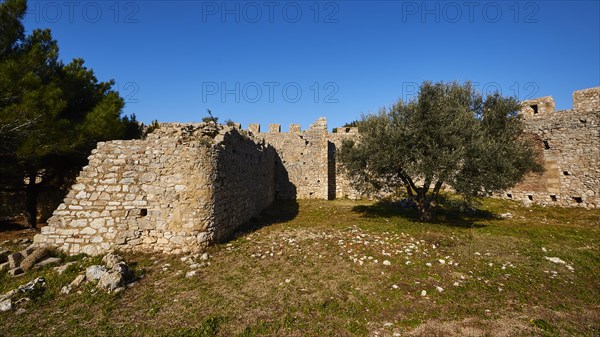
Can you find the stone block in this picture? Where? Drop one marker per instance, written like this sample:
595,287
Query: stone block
33,258
88,231
14,260
47,262
4,255
274,128
15,271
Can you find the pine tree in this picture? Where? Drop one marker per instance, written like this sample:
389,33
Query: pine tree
51,114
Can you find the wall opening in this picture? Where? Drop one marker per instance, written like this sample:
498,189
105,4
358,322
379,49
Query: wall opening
509,195
578,200
535,108
546,145
553,197
143,212
530,197
566,173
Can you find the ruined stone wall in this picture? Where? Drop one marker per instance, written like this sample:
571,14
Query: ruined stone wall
569,143
244,184
171,192
302,166
189,185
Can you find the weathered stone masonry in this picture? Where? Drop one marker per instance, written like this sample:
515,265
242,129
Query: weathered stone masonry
569,143
165,193
188,185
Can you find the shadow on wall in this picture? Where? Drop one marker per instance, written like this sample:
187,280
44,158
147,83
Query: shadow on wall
331,171
284,188
281,207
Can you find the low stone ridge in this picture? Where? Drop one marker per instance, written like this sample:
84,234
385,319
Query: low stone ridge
189,185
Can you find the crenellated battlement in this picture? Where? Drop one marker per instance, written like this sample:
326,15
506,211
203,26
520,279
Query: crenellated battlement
586,100
538,107
319,125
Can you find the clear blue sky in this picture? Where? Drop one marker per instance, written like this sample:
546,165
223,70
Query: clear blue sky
291,62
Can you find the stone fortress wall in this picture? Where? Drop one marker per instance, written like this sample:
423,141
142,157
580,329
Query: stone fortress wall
188,185
569,144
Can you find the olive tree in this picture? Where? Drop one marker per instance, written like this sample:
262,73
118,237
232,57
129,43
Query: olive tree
448,135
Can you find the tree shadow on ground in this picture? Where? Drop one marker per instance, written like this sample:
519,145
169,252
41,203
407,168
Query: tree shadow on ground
8,226
443,215
280,211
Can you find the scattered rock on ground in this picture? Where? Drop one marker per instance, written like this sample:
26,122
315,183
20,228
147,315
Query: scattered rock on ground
15,271
28,251
4,255
555,260
6,302
114,278
36,284
6,305
48,261
9,294
110,260
74,284
78,280
14,260
119,290
95,272
61,269
32,258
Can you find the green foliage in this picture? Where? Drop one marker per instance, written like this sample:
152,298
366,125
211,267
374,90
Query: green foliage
229,122
210,118
352,124
51,114
153,126
448,135
547,328
208,327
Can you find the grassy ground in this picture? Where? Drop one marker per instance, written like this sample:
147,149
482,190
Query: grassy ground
344,268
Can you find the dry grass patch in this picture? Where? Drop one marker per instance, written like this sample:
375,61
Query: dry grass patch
344,268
